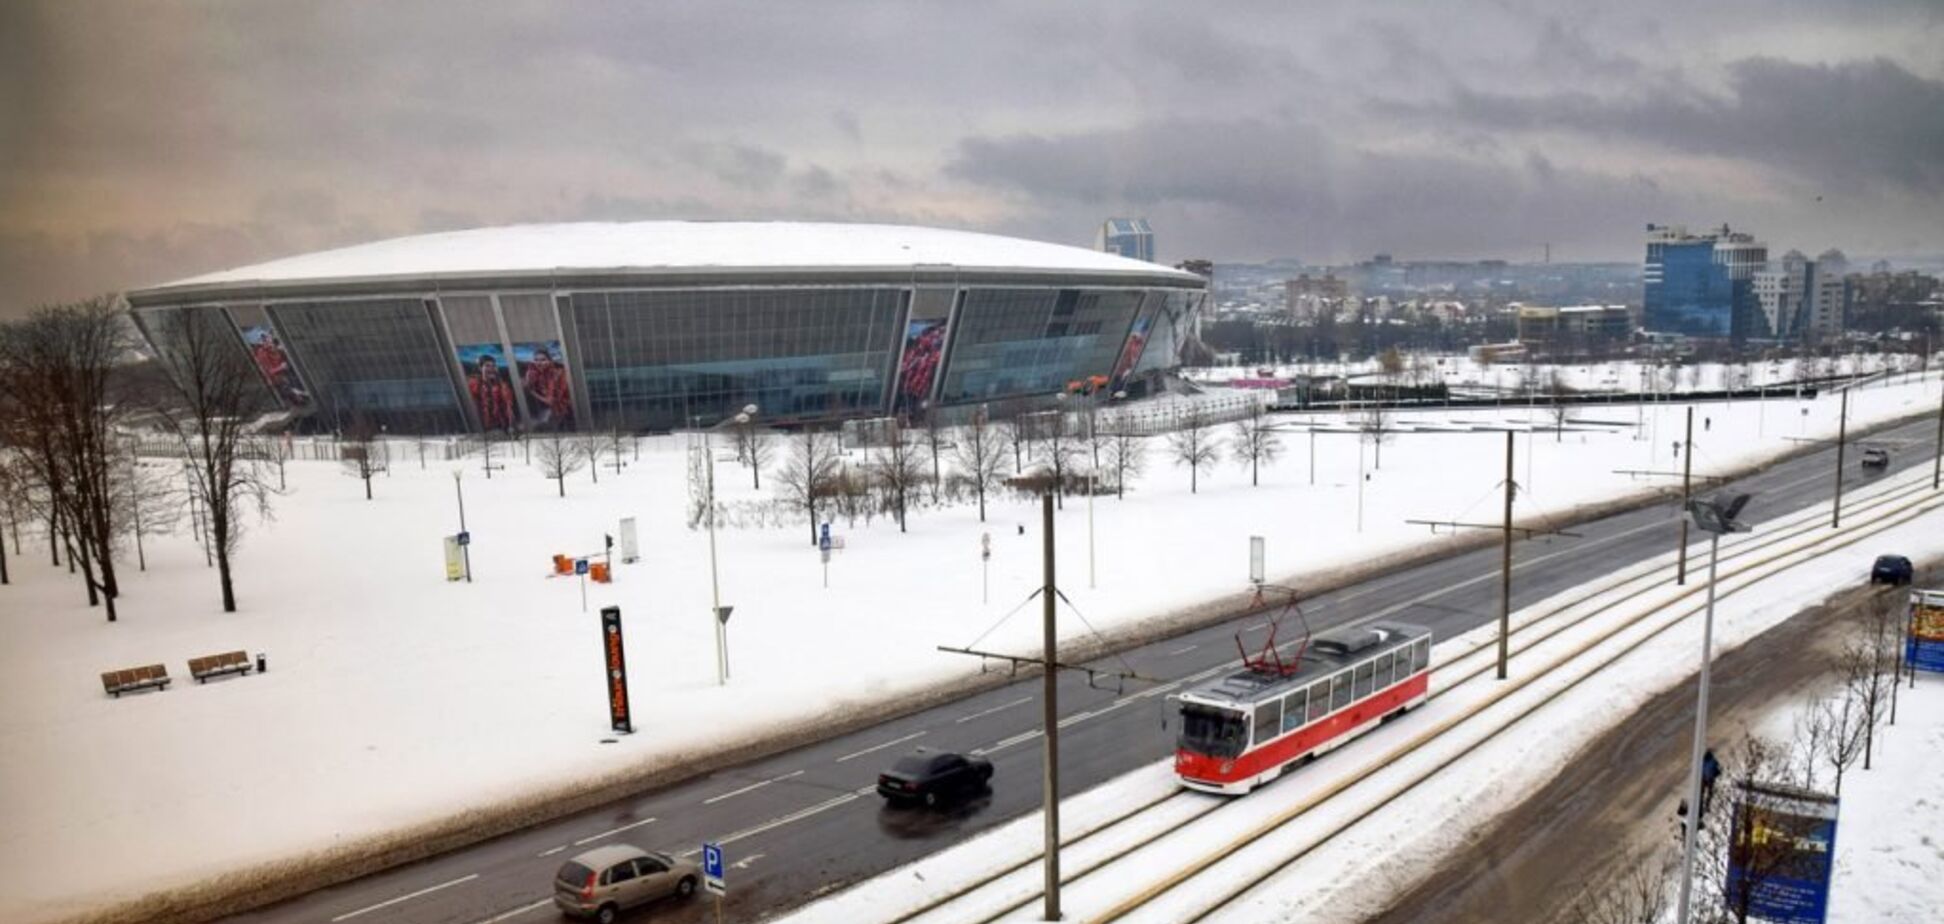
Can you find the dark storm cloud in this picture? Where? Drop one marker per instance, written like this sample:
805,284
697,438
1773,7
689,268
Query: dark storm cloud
1851,124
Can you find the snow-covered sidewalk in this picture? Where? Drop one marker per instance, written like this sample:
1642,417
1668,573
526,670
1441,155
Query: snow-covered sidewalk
395,699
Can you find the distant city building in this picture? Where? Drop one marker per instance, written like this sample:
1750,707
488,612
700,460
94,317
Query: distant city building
1703,285
1802,298
1307,296
1573,325
1128,237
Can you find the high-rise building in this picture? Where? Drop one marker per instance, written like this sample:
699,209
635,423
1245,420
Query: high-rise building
1828,296
1703,285
1803,298
1129,237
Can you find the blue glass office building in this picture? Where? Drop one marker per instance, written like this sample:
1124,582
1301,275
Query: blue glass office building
1702,285
657,325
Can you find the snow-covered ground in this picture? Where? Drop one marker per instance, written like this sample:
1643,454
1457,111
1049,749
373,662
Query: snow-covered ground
397,699
1461,372
1350,877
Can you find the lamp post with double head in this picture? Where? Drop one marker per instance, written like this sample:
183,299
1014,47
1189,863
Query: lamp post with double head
716,614
1713,516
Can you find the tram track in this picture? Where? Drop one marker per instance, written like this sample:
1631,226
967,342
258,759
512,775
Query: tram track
1890,506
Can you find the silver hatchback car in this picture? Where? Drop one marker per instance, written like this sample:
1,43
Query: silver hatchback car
605,881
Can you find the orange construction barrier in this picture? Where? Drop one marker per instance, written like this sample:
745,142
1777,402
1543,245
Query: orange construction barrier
563,565
598,570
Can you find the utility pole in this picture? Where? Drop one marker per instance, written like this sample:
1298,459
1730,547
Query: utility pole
1505,567
464,550
1049,695
1687,473
1937,458
1842,436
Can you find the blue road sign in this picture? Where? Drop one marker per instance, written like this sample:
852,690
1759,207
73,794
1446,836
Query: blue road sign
712,869
580,566
465,538
823,534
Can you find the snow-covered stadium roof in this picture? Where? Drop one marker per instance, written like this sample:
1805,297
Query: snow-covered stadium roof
585,248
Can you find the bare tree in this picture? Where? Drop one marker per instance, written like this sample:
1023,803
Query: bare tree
807,475
1866,665
980,451
61,368
1842,721
754,448
361,452
590,442
559,454
12,494
934,443
1126,453
615,443
1377,429
898,470
1255,442
1056,447
1637,895
215,392
276,450
151,502
1556,390
1011,414
1193,443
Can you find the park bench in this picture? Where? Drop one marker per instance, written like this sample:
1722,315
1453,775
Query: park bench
234,662
154,676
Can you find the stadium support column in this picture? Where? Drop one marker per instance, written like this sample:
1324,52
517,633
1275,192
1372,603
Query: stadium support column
1687,473
1050,692
1505,567
1842,437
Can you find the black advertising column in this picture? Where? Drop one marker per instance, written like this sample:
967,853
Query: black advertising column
615,659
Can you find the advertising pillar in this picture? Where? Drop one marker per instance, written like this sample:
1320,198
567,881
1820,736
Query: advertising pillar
614,660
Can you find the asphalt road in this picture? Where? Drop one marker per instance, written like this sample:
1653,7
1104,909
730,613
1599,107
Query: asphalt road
805,822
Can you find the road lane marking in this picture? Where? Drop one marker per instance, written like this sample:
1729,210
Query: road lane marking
751,787
523,909
880,747
393,901
798,815
1009,742
1182,651
986,712
626,827
744,862
549,853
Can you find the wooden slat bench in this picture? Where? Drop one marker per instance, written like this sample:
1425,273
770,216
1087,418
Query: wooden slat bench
154,676
233,662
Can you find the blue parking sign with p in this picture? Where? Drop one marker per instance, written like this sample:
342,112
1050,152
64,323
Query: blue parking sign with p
712,867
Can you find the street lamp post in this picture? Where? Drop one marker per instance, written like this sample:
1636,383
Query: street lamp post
465,551
715,582
1715,517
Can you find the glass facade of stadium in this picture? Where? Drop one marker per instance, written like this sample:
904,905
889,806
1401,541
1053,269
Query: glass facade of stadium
664,356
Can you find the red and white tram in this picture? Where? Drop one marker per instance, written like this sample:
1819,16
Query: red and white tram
1242,730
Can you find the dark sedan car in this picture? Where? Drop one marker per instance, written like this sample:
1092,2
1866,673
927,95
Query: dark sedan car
1891,569
932,777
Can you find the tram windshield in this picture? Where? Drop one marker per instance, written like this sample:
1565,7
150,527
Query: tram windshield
1215,732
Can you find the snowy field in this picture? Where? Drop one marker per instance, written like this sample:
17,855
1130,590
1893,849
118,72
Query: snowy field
1460,372
1401,842
396,699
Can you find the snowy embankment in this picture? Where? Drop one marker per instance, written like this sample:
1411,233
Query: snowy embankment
396,700
1471,777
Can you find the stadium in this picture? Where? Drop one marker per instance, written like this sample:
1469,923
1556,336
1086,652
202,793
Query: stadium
647,326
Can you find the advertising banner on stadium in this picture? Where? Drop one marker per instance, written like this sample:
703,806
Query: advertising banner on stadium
487,384
542,369
614,660
1131,352
924,348
269,355
1782,852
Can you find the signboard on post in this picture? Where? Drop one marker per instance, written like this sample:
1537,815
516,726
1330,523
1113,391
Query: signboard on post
712,870
455,567
615,661
630,546
1781,853
1256,569
1924,648
465,538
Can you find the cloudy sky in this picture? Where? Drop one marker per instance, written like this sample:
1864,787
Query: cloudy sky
142,142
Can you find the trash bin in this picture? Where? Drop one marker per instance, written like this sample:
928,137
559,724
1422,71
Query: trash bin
263,663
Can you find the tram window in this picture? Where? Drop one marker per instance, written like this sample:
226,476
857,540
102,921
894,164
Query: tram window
1340,691
1216,732
1268,720
1364,674
1401,666
1319,700
1293,709
1384,669
1421,654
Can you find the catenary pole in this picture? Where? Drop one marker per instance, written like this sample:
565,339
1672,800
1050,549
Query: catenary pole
1049,695
1687,472
1842,437
1505,567
1937,457
1700,744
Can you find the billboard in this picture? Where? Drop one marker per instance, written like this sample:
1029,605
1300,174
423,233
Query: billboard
542,369
923,349
1781,854
1924,649
271,359
484,365
614,660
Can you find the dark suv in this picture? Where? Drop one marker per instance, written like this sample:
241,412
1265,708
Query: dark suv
1891,569
932,777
